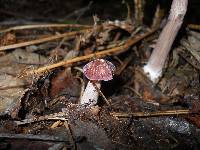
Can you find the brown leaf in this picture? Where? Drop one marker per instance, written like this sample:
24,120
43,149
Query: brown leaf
8,39
147,90
196,120
64,83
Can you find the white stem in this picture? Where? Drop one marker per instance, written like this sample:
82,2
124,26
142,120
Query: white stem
159,55
90,95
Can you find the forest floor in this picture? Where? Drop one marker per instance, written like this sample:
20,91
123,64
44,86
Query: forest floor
42,54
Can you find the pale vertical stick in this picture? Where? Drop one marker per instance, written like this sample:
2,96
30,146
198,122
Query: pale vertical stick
159,55
139,12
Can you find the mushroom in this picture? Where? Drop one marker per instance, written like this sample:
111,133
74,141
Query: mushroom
96,71
157,60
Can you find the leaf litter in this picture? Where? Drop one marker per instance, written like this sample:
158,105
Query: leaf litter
157,116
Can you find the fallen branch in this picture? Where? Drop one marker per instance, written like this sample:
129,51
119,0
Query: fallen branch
100,54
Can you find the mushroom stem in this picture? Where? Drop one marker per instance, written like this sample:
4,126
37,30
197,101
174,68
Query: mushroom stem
159,55
90,95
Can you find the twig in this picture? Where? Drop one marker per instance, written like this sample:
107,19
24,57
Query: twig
103,53
55,124
119,60
102,95
124,65
51,38
139,13
129,11
72,139
133,90
151,114
194,26
24,27
55,116
159,13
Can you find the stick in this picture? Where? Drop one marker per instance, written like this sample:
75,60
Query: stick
100,54
38,41
151,114
44,26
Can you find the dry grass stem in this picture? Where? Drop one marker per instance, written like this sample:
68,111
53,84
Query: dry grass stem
152,114
68,35
24,27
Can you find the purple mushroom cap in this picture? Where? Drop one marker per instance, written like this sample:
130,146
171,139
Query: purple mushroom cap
99,69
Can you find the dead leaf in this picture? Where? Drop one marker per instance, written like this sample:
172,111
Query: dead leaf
8,39
11,90
64,83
